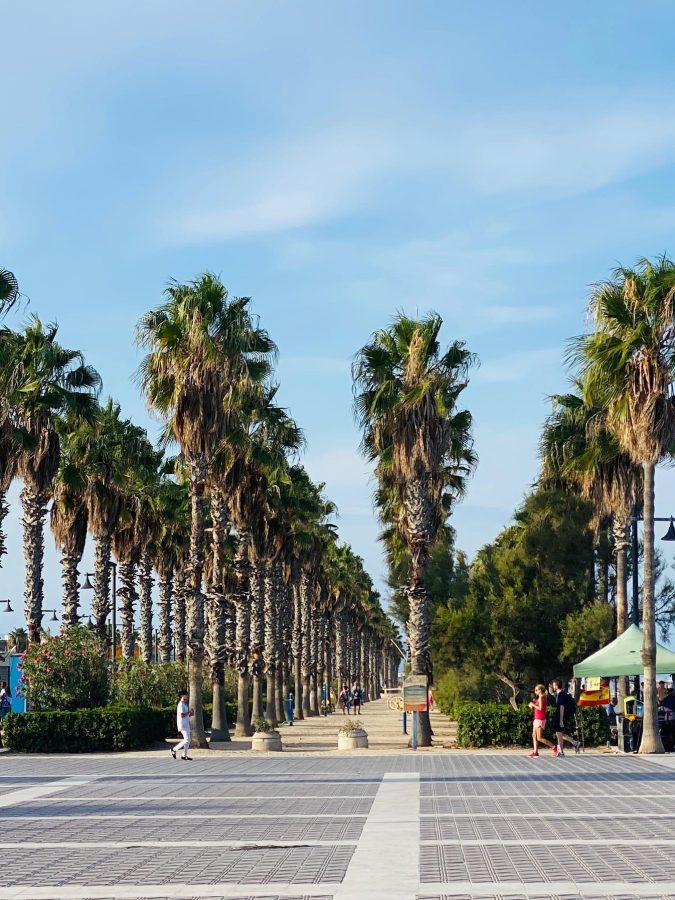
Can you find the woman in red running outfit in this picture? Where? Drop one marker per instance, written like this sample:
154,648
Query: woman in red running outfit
538,706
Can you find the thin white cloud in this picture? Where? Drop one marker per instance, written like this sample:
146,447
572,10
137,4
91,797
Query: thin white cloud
519,366
303,182
313,178
342,467
566,150
311,366
516,315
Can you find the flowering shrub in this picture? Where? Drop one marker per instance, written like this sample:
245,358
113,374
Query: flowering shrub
137,683
66,672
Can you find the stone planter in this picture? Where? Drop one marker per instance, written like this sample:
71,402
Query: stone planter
266,741
353,740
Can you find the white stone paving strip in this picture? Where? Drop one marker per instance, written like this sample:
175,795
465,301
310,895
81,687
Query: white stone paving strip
25,795
132,843
538,889
386,862
171,891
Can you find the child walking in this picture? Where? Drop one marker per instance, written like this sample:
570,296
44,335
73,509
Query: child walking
538,707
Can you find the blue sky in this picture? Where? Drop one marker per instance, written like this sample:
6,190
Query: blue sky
338,162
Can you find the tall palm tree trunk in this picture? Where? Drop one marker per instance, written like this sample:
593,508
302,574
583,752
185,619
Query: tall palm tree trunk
306,643
71,589
363,677
418,633
314,705
651,739
340,649
195,600
218,615
271,639
243,634
101,602
257,637
283,641
621,525
145,606
180,632
34,504
297,642
128,597
165,631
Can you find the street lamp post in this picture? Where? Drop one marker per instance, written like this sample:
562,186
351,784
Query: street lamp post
88,586
668,536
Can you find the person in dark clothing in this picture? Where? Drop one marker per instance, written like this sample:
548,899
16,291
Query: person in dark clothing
669,701
563,718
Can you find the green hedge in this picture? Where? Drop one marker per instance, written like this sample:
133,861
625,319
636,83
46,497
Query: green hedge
499,725
93,730
83,730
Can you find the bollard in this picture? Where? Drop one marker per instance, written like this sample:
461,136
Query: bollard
291,707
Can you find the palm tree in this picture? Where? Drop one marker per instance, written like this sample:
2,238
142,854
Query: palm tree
173,516
578,450
203,350
68,515
219,610
406,406
47,381
627,367
9,291
17,640
9,444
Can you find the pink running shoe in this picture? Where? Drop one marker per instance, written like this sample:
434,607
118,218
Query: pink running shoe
556,750
533,755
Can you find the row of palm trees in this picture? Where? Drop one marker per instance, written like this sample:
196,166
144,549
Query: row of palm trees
605,437
249,569
407,391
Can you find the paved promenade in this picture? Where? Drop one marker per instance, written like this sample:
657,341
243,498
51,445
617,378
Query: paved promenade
369,826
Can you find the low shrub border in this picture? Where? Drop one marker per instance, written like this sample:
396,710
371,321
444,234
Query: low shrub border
499,725
107,728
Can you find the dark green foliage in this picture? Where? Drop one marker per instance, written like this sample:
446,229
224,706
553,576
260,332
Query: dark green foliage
588,630
499,725
93,730
507,627
137,683
83,730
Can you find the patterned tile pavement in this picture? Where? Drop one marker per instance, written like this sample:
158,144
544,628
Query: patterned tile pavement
494,826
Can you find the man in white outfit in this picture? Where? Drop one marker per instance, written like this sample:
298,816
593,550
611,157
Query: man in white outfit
183,713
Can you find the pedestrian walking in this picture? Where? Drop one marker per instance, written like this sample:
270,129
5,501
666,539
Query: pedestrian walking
345,699
183,713
356,699
539,706
5,700
565,713
430,700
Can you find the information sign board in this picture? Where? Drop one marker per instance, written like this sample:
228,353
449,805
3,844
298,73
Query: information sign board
415,691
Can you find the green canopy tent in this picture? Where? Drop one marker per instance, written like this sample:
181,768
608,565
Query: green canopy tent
624,657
